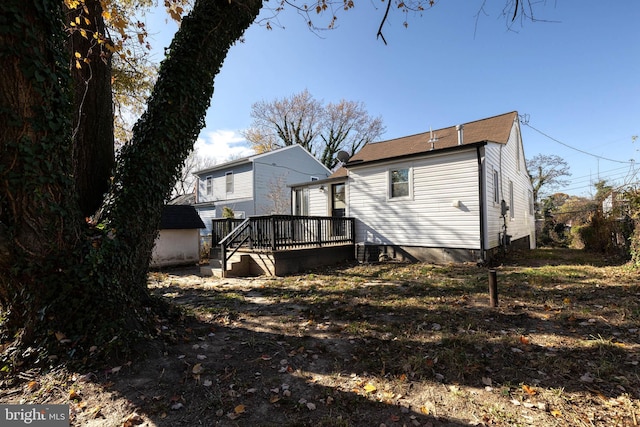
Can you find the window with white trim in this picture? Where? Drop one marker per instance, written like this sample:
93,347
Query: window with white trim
531,207
229,181
511,206
301,206
209,185
496,187
399,183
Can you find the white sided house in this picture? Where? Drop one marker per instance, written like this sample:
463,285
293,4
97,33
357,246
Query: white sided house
255,185
450,195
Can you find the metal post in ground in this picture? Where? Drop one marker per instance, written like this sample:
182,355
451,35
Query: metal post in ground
493,289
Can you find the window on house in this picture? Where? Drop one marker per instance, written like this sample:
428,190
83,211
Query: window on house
511,205
496,188
338,208
301,206
531,207
209,183
399,182
338,200
229,181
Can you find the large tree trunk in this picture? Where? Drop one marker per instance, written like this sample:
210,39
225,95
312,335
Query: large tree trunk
67,288
93,116
39,220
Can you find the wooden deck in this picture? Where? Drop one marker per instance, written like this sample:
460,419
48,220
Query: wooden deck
276,238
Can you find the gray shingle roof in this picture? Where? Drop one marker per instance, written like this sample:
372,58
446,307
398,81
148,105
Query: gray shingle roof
179,217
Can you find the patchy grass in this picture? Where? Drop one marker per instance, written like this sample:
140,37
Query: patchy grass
385,344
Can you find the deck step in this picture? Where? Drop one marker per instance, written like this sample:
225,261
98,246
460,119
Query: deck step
236,267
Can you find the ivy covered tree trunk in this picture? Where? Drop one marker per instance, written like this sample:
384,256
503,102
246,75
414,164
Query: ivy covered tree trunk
39,222
166,132
69,288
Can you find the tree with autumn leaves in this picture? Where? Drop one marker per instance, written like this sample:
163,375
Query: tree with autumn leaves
77,224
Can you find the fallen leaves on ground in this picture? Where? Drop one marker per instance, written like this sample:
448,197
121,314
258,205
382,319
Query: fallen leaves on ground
385,344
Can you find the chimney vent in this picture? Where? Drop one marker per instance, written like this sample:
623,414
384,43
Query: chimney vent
460,129
433,138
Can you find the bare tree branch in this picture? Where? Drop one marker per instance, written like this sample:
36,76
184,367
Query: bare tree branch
384,19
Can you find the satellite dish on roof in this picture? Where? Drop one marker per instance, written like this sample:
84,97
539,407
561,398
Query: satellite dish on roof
343,156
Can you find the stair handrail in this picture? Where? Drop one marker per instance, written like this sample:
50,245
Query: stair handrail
229,240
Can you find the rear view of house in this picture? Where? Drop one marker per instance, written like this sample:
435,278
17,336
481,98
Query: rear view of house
458,193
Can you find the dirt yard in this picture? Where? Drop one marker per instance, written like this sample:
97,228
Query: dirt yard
376,345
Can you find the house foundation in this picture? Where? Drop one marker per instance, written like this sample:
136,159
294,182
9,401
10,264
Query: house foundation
376,253
282,263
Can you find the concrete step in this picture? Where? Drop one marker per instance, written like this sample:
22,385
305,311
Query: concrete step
236,266
207,270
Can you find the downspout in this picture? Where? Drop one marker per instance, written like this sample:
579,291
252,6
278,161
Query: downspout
481,204
254,195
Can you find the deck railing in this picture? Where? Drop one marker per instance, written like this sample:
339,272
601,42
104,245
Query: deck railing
221,229
282,232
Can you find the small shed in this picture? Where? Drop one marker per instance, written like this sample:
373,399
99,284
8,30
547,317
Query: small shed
178,242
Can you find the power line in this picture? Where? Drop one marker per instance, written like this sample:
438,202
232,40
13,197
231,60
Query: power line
595,208
524,119
590,176
601,177
587,184
585,187
273,165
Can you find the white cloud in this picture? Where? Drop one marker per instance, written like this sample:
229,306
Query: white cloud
222,145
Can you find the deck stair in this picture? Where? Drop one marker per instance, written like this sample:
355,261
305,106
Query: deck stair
239,265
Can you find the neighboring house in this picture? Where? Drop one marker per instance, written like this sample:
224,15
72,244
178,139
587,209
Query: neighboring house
615,204
178,242
255,185
436,196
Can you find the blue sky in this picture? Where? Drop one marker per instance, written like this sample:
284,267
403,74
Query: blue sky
574,76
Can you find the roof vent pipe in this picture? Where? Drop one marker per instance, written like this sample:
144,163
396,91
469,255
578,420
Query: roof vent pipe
460,129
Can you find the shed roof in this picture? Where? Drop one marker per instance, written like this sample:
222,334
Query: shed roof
184,199
493,129
178,217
